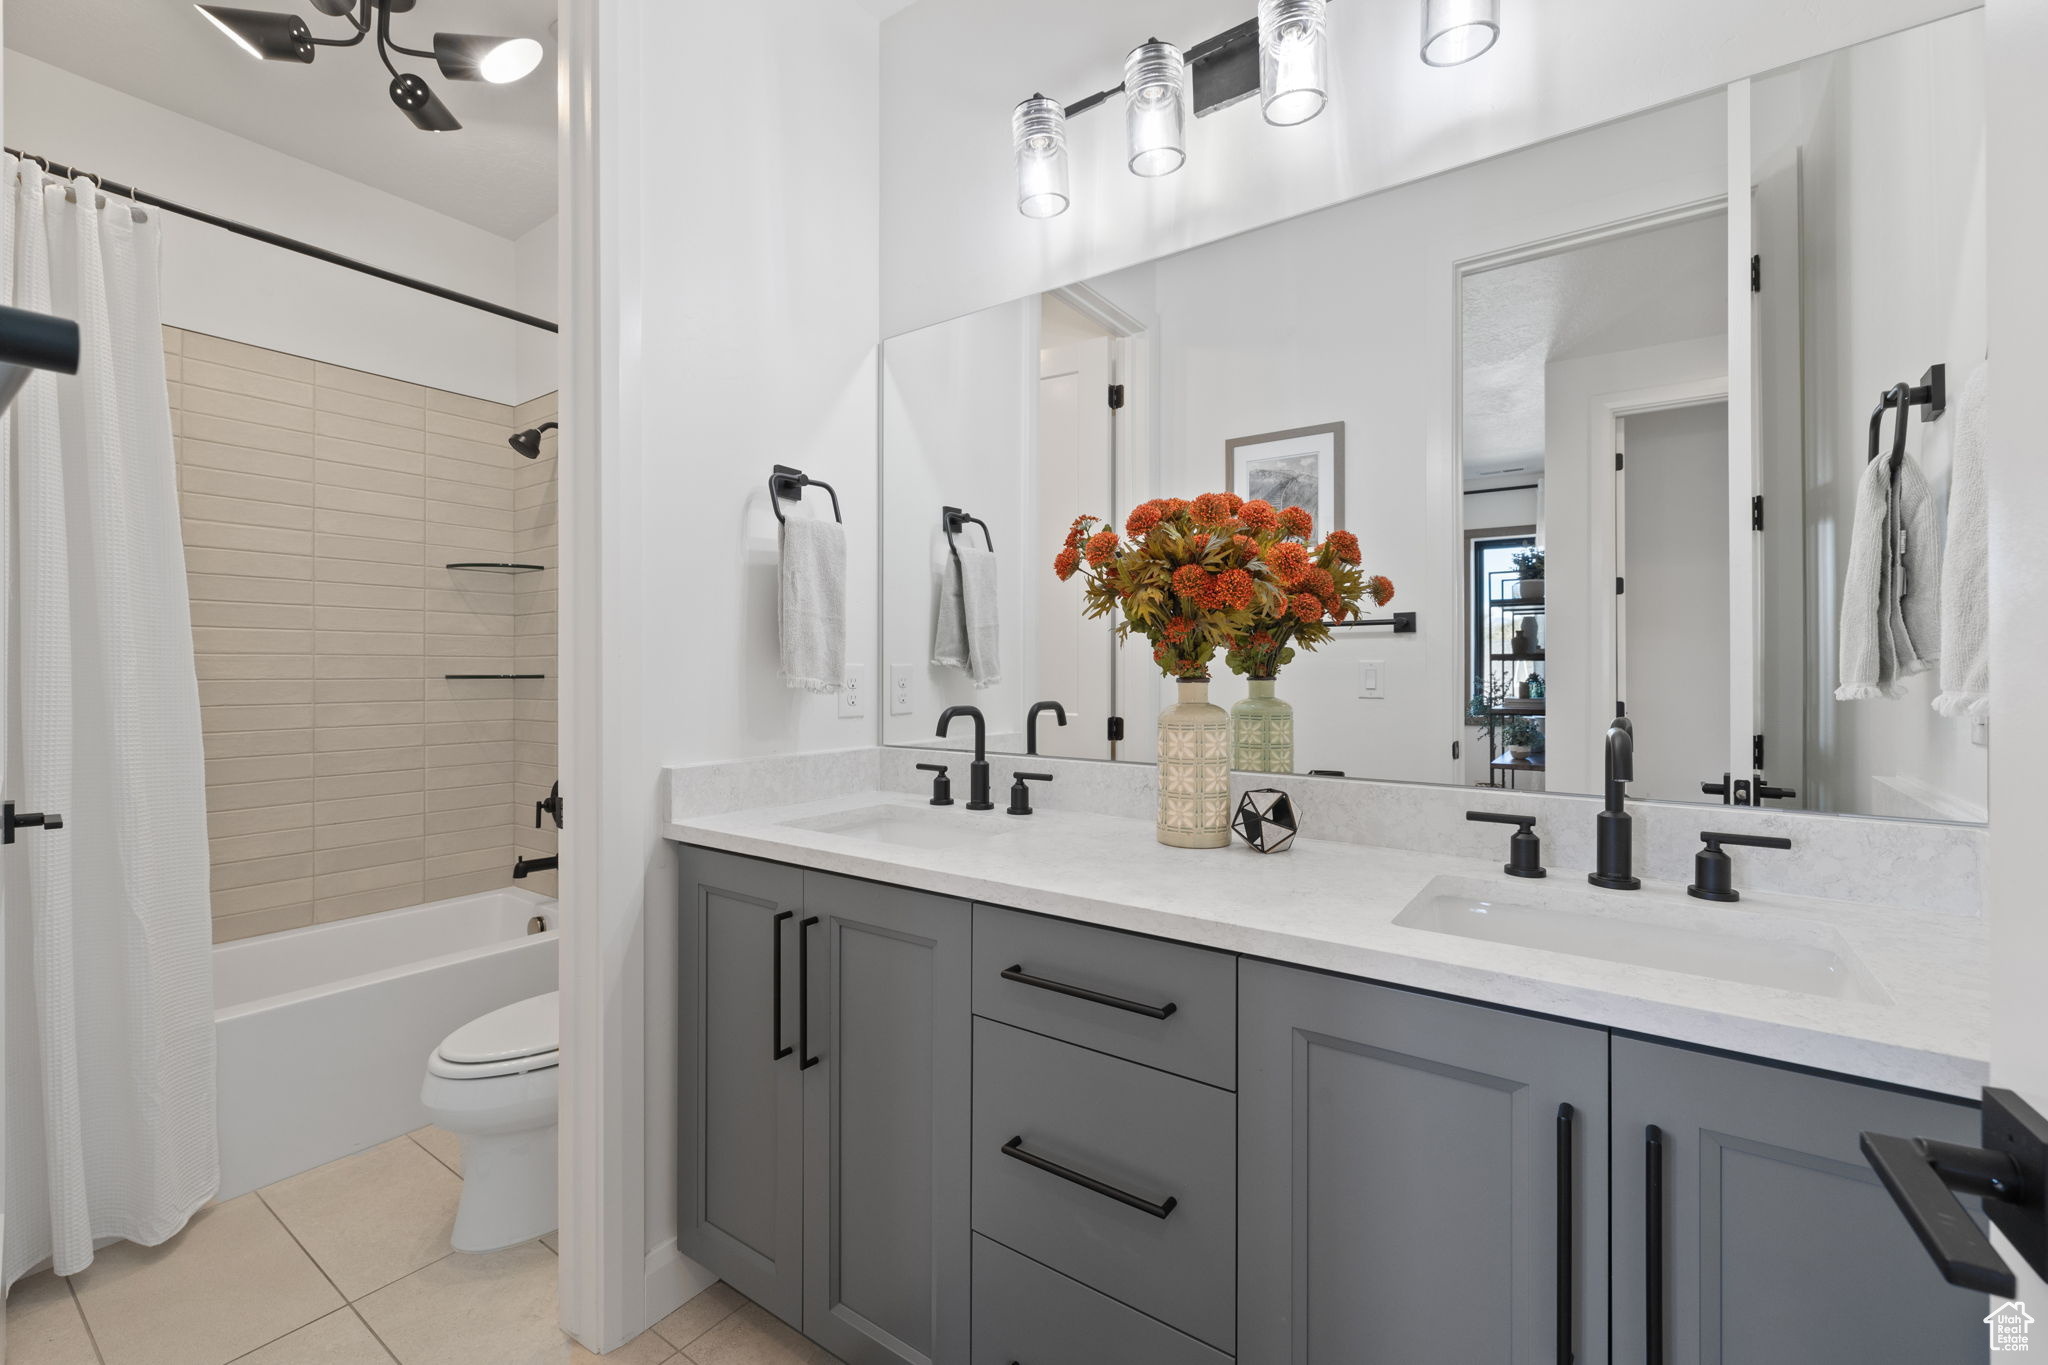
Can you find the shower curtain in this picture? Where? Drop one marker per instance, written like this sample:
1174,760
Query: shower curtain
105,952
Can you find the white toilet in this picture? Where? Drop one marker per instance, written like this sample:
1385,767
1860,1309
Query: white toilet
493,1083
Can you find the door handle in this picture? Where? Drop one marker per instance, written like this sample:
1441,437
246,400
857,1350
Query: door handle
1115,1002
2009,1173
803,993
1565,1239
782,1049
1653,1245
1015,1148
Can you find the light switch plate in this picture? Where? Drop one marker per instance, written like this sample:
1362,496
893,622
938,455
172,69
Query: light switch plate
1980,731
1370,674
899,689
853,698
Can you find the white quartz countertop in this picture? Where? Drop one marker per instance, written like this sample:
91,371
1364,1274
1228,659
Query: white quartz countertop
1332,906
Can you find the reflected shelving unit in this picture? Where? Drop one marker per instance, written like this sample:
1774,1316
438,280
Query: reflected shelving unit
1512,669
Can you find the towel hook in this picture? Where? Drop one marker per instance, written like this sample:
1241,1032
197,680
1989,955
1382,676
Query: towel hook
956,521
1930,394
790,483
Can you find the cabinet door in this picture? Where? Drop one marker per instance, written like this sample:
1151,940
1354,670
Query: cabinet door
740,1127
1777,1245
886,1111
1408,1190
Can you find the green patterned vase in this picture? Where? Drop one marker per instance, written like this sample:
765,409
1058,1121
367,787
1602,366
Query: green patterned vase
1194,770
1262,731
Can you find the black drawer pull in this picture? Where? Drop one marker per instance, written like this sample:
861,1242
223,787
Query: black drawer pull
1015,1147
1115,1002
1565,1250
1653,1250
803,993
781,1049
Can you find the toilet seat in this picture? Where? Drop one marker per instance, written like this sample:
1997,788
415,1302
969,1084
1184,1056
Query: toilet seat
521,1037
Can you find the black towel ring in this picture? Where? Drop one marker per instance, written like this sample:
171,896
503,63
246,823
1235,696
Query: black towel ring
790,483
956,521
1931,394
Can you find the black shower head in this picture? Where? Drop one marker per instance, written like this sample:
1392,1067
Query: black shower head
527,443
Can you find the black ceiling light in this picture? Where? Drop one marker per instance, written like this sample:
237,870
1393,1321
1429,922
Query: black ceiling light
460,56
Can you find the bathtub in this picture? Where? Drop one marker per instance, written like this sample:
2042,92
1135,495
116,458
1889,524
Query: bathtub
324,1032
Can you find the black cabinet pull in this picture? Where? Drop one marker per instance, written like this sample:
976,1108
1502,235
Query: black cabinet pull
782,1049
1565,1295
1015,1148
1115,1002
803,993
1653,1258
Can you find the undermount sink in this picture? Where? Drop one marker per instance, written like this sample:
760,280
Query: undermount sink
1754,949
906,826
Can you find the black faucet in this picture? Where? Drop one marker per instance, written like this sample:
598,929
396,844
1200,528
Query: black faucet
1525,850
1614,841
1713,875
1020,794
977,771
1031,723
525,867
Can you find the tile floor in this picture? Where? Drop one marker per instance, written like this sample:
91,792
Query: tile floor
349,1264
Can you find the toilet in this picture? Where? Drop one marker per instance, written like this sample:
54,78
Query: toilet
493,1083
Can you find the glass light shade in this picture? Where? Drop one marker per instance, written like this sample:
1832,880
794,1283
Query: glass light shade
1039,129
1293,60
1455,31
1155,77
483,57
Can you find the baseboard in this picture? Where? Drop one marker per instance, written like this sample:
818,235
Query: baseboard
673,1279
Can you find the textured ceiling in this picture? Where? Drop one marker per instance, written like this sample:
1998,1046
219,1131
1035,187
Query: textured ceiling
497,173
1647,289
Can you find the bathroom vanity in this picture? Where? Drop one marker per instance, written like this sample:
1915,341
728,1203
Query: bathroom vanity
963,1087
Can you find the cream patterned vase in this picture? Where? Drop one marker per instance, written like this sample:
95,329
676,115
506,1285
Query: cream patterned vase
1194,770
1262,732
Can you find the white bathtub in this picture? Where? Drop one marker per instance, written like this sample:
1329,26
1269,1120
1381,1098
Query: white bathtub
324,1031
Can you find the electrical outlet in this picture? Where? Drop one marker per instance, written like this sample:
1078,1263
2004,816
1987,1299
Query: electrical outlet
853,698
899,689
1980,731
1369,672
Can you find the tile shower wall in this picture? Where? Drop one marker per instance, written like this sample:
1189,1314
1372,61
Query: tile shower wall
345,774
533,629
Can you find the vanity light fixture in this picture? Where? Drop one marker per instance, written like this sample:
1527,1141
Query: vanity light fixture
1039,129
1155,78
275,37
1293,60
1456,31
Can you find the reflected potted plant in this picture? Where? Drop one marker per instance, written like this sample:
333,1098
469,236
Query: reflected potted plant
1529,563
1521,735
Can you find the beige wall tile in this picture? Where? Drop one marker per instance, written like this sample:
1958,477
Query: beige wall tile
375,385
369,902
199,346
227,928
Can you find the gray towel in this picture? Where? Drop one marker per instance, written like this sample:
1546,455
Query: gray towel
966,634
1891,617
1966,572
813,604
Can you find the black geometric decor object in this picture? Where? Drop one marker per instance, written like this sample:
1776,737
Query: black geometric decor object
1266,819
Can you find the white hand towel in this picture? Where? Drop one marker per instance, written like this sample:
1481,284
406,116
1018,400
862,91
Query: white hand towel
1916,572
967,634
813,604
1891,618
1966,577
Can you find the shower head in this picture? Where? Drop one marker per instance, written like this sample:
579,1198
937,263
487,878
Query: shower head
527,442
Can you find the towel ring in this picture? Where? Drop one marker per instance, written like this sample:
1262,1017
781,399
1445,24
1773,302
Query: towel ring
790,483
956,521
1897,396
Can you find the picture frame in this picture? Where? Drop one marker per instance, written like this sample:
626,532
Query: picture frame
1302,466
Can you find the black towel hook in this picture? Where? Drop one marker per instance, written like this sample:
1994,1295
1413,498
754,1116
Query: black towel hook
790,483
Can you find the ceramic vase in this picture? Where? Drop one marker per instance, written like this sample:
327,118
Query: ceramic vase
1262,731
1194,770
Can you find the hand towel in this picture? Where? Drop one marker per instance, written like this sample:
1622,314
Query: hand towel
1891,616
1966,574
812,604
967,634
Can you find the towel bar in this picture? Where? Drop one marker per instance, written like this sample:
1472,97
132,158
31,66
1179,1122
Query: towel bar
1931,393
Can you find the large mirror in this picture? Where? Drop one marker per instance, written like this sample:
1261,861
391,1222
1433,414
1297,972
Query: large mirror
1518,386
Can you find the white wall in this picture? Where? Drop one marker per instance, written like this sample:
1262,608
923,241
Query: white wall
952,70
229,286
536,267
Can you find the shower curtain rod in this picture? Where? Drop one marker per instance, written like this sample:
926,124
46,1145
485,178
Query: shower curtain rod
129,192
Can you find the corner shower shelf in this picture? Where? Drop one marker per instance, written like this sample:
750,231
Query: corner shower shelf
489,677
501,568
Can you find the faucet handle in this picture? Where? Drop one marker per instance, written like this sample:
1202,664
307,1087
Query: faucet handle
1525,850
942,786
1713,873
1020,795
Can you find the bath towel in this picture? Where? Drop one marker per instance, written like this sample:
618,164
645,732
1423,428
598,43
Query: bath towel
1891,615
813,604
967,635
1966,569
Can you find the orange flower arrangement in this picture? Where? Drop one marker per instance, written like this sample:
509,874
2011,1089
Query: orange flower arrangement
1218,572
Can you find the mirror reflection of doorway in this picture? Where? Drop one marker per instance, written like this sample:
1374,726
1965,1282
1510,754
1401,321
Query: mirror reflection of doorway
1070,654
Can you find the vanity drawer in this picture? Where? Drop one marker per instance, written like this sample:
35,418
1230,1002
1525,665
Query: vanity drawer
1025,1314
1132,980
1121,1140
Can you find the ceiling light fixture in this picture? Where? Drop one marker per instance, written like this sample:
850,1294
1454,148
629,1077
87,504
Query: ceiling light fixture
1155,74
1293,60
460,56
1038,129
1456,31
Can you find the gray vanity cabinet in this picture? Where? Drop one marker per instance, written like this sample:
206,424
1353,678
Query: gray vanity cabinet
1770,1241
1400,1191
834,1194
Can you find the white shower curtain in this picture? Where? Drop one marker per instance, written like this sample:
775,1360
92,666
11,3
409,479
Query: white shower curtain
105,964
